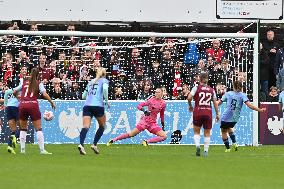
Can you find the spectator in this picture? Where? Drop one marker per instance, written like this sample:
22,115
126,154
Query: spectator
75,93
146,91
45,74
184,93
279,61
271,46
166,95
133,63
280,80
273,95
191,55
215,51
264,70
58,92
156,74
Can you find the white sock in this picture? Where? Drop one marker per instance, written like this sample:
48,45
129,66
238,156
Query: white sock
23,136
40,140
206,143
197,140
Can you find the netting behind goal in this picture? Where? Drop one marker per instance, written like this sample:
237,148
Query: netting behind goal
136,62
169,62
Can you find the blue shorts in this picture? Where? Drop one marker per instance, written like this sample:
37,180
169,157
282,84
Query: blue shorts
12,112
227,125
91,111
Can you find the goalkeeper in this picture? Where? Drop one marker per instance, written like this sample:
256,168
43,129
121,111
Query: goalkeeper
155,105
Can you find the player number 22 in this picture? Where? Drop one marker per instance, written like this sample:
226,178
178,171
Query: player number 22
205,99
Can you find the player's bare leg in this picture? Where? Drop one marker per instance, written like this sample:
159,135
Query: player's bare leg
161,136
132,133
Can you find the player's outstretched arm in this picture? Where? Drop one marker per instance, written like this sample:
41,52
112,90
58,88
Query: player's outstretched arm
141,107
251,106
47,97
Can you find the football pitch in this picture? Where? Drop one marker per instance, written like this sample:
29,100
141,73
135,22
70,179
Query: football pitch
135,166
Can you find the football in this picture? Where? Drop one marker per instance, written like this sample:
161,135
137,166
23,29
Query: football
48,115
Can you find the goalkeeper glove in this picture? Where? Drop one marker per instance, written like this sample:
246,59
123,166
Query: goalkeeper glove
146,112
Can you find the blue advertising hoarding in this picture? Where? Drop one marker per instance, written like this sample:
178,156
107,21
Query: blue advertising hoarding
123,116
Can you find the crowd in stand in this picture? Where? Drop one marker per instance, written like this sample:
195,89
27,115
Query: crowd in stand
135,65
271,68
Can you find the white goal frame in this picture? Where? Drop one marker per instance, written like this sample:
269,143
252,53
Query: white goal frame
183,35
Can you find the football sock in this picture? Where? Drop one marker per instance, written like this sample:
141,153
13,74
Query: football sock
156,139
99,134
23,136
120,137
197,140
11,138
226,142
83,134
233,137
206,143
40,140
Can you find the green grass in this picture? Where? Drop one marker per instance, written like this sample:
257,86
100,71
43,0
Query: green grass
134,166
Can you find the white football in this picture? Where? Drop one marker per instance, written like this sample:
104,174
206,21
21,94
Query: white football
48,115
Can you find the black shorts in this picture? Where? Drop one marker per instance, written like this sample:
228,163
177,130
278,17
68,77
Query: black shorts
91,111
227,125
12,112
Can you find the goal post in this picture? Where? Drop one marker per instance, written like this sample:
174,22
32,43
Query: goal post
254,36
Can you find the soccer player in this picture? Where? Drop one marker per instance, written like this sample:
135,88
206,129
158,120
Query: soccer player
95,94
235,100
202,112
149,121
11,104
29,107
